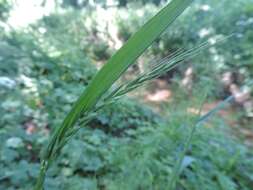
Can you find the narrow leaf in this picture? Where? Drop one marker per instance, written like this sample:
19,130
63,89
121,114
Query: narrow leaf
125,57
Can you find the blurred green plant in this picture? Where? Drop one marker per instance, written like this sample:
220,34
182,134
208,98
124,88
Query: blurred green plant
5,6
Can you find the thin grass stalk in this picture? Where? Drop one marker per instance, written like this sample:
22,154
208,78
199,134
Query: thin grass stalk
105,78
198,122
161,68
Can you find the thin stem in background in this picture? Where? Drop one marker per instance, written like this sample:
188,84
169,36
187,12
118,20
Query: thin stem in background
198,122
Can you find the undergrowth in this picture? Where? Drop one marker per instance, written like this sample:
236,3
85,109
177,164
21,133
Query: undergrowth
125,145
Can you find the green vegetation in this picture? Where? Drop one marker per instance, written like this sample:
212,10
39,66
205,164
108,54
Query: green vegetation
105,78
129,143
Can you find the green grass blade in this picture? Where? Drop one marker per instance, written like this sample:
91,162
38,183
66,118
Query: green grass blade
119,62
110,72
126,56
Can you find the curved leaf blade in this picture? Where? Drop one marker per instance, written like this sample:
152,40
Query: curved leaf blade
124,58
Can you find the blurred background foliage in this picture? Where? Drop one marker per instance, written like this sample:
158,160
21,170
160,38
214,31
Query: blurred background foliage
45,64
